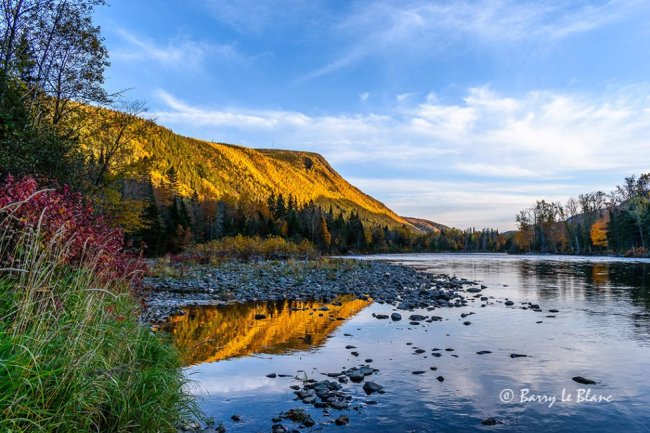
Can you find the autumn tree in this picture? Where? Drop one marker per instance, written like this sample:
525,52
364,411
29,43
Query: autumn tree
525,231
598,232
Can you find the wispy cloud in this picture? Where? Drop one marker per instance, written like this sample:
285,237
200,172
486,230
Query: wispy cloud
395,29
179,52
537,136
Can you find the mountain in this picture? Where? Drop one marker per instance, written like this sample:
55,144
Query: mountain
425,225
210,170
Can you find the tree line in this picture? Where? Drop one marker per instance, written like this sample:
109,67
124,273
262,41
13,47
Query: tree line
177,222
597,222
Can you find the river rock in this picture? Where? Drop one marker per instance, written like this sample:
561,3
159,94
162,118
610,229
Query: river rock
338,405
372,387
342,420
583,380
279,428
491,421
356,376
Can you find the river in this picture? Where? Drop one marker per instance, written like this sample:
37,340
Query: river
601,331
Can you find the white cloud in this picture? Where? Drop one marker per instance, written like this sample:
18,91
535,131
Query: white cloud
403,97
364,96
503,140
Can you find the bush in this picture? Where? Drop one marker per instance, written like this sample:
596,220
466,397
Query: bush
247,248
73,357
64,217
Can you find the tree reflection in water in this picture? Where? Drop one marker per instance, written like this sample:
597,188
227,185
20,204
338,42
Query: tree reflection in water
213,333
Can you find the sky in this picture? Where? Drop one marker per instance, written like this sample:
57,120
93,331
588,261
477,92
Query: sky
462,112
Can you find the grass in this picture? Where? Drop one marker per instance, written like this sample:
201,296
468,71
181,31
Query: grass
73,357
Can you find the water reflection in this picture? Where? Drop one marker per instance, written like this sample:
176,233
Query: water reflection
602,331
597,282
209,334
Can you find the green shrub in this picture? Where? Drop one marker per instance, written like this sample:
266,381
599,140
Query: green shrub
73,356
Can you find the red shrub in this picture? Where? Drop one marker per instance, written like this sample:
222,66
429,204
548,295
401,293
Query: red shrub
65,217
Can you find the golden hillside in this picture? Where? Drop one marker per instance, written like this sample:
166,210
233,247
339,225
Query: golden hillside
237,173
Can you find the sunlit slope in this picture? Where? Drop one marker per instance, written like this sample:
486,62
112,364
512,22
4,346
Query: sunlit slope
425,225
230,172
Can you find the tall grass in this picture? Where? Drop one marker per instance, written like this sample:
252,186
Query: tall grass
73,357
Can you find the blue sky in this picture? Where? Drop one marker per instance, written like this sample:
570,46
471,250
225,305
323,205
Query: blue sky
462,112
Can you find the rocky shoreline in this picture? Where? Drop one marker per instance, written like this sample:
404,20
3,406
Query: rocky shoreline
261,281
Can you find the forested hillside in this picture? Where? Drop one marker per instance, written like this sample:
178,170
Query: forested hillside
218,171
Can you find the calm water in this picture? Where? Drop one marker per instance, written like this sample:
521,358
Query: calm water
602,332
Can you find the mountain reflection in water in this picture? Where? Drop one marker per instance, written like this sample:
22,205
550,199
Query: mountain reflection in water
209,334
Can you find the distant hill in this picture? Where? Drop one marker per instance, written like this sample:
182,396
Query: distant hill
210,170
425,225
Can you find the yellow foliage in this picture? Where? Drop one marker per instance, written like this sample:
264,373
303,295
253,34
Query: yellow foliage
598,232
523,240
243,247
127,213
